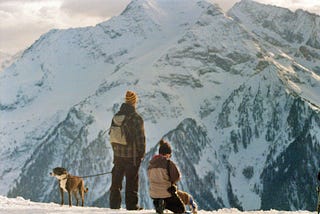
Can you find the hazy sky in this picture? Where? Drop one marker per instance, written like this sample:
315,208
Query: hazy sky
24,21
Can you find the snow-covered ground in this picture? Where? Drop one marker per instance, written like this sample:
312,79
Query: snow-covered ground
20,205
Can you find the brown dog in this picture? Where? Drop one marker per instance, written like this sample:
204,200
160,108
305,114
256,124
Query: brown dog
69,183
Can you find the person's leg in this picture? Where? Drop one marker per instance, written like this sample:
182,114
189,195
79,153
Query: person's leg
175,204
132,185
159,205
116,185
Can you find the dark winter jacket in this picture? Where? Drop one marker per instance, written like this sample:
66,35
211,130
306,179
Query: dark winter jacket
159,181
135,135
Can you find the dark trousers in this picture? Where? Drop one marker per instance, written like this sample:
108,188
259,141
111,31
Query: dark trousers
125,167
173,204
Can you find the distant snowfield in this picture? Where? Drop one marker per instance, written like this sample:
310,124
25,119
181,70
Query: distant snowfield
20,205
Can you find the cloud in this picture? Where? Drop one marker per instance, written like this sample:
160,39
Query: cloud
97,8
23,21
225,5
14,39
308,5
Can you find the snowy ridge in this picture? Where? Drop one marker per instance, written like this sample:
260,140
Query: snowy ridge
293,40
7,59
239,103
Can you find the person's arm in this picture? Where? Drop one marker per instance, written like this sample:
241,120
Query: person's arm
140,138
174,172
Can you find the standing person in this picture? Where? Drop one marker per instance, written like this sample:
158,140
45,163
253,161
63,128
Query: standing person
163,175
127,155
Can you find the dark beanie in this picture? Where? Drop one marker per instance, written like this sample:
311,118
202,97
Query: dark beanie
164,148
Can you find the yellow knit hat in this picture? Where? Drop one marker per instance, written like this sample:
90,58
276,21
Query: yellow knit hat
131,97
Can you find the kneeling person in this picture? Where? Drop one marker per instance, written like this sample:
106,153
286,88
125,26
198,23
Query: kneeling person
163,175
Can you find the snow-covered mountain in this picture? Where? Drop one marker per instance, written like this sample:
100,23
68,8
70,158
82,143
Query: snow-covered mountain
4,58
236,94
7,59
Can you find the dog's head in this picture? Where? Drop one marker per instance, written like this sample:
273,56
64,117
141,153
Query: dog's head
59,172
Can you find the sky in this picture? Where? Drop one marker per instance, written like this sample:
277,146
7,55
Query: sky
22,22
20,205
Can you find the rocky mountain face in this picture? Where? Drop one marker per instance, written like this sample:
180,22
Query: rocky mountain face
236,94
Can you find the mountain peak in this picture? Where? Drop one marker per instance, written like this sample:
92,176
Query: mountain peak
299,27
159,7
271,9
257,6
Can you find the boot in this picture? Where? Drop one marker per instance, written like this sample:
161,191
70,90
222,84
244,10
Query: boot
159,205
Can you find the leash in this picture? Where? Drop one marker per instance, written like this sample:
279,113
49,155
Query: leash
94,183
88,176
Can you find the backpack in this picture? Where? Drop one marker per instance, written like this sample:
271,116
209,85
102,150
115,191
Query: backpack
117,131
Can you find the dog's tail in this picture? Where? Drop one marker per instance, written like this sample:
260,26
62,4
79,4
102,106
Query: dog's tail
86,190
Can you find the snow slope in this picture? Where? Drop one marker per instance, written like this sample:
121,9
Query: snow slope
21,205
